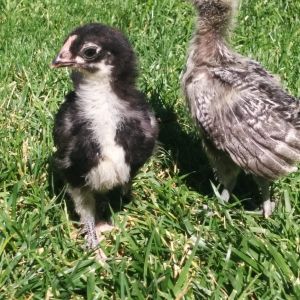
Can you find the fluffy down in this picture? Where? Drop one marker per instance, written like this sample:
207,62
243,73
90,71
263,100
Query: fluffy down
247,120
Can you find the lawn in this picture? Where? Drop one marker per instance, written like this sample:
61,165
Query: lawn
174,240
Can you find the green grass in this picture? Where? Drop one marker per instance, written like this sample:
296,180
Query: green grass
175,240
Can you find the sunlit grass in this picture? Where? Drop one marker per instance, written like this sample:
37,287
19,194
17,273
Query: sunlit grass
174,241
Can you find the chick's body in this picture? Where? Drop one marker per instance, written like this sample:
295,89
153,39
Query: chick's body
104,131
248,122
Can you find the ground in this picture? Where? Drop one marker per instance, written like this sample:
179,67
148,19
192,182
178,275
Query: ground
175,240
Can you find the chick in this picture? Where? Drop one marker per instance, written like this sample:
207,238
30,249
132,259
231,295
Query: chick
104,131
247,120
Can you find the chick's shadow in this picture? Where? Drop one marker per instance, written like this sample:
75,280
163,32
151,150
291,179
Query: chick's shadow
185,148
187,153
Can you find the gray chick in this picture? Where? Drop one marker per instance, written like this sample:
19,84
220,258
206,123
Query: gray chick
247,121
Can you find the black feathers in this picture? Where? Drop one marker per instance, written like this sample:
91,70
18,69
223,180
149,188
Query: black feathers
77,152
104,131
114,47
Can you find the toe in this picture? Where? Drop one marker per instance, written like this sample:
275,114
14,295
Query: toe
268,208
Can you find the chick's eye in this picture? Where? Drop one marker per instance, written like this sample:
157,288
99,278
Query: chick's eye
90,53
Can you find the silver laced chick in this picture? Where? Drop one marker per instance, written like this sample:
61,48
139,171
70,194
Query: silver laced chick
105,130
247,120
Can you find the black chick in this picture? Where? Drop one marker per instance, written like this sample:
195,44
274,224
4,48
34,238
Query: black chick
104,131
247,121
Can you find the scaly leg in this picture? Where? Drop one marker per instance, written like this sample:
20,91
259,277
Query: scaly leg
229,182
264,187
225,169
86,208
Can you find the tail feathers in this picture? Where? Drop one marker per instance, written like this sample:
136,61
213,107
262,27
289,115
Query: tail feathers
215,15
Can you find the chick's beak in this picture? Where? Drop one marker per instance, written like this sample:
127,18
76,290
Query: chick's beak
63,59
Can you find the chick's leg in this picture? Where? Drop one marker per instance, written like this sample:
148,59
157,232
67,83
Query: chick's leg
86,208
264,188
228,179
226,171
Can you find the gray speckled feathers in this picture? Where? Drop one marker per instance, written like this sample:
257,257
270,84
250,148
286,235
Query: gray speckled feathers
248,116
243,112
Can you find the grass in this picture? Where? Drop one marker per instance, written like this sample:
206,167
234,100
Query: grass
175,240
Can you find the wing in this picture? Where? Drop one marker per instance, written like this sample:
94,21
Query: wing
77,152
246,113
253,77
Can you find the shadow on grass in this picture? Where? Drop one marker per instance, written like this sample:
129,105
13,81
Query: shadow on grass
186,149
188,154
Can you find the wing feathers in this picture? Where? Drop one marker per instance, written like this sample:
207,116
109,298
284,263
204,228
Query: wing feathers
243,115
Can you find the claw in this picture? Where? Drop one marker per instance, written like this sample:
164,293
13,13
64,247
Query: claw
92,240
268,208
100,255
104,227
225,195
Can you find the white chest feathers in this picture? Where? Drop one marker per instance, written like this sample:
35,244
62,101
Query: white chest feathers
104,111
